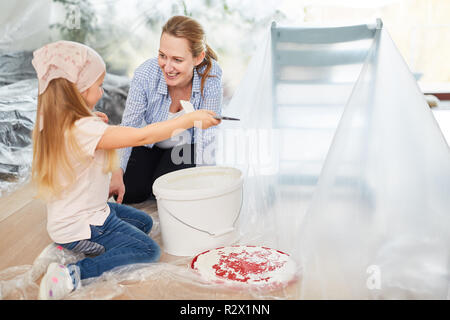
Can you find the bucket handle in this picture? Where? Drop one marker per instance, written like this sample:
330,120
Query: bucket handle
215,234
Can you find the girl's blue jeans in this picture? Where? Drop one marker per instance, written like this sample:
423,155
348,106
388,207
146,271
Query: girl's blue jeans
122,239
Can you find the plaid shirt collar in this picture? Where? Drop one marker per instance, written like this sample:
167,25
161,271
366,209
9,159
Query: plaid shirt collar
162,87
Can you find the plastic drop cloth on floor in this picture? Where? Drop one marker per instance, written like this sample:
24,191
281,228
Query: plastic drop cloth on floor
171,278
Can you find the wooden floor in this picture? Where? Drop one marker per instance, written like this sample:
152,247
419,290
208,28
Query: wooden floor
24,236
22,228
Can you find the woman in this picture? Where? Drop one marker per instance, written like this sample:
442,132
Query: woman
185,69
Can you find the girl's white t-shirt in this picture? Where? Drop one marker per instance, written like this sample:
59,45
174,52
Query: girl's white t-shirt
84,202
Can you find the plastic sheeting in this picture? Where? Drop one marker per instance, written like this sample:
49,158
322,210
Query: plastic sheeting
114,97
17,115
162,280
345,169
171,278
376,224
24,24
289,109
16,66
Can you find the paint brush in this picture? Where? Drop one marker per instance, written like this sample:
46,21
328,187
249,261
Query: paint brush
226,118
188,107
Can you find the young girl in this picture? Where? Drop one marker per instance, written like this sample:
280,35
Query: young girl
73,154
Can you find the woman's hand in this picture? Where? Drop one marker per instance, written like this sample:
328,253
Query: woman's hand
116,186
203,119
101,115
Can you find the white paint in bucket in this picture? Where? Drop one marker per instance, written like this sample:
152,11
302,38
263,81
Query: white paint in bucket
198,208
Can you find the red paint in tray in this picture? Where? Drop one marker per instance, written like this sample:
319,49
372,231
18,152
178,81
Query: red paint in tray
245,264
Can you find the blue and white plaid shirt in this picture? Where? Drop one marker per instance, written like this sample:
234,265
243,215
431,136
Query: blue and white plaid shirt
148,102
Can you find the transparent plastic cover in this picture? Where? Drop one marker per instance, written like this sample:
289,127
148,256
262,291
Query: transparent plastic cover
345,169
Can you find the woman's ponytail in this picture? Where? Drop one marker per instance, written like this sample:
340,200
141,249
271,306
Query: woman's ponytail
209,56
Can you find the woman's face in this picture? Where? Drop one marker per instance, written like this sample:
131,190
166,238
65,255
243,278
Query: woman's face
94,93
176,61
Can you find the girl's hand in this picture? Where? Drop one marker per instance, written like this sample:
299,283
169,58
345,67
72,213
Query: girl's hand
203,119
101,115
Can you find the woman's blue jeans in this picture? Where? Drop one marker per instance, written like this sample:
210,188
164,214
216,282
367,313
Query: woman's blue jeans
122,239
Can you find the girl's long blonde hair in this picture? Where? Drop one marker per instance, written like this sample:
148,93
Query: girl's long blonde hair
58,107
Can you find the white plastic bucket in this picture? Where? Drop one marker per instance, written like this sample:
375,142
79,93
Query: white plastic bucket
198,208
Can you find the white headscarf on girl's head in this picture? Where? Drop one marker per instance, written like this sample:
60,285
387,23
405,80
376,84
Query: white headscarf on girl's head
70,60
